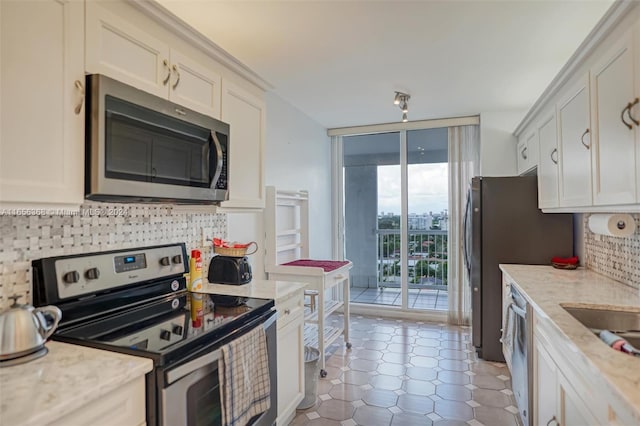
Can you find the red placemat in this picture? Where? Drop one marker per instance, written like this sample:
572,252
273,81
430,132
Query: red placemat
327,265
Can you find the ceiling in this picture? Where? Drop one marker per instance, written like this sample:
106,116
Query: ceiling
340,61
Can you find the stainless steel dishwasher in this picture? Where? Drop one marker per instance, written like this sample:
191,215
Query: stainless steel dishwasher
521,358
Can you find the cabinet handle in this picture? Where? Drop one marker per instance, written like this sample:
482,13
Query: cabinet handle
287,311
582,139
166,79
177,71
553,419
555,151
622,116
80,87
629,108
523,153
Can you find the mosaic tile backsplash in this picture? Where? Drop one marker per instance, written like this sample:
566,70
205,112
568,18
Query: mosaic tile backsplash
615,257
97,227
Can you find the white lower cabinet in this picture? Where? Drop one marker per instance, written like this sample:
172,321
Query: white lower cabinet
573,411
124,406
290,341
42,103
563,396
545,409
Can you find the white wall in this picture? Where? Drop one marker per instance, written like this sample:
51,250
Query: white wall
297,156
497,142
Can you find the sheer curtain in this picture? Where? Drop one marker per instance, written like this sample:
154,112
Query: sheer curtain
464,163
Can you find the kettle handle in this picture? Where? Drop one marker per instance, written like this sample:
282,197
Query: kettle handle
55,312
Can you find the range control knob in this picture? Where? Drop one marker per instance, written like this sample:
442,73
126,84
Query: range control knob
71,277
92,274
178,329
165,335
177,258
164,261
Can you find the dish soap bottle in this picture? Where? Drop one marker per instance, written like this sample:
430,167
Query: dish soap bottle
195,288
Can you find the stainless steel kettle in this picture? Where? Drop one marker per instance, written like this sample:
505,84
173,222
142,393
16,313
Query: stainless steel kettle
25,329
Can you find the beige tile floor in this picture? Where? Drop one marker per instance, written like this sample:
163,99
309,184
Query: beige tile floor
406,373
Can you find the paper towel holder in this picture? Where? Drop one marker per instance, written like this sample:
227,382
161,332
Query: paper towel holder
612,224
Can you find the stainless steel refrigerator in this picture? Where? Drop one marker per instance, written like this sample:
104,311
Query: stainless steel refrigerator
504,225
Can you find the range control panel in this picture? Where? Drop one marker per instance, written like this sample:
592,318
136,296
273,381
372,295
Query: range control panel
97,272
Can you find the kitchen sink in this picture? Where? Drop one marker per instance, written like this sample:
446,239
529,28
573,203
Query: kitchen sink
625,324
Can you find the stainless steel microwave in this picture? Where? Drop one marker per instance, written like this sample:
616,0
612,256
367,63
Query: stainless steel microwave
142,148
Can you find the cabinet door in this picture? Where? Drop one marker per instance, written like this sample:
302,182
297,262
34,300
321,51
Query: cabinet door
125,53
194,85
245,114
522,156
548,163
532,150
573,410
614,145
544,387
290,368
575,147
42,114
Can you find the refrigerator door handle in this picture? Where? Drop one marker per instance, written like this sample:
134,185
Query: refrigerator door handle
465,240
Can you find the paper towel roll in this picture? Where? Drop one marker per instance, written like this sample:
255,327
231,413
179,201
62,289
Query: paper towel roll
616,225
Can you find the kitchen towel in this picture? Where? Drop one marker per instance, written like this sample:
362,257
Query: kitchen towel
243,373
508,330
327,265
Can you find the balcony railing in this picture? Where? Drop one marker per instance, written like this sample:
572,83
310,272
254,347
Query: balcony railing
427,262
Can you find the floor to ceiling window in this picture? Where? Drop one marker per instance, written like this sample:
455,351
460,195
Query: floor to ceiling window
395,198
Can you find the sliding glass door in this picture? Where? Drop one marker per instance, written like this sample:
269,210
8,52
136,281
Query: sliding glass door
395,196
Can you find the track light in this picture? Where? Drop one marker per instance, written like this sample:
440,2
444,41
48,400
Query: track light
401,99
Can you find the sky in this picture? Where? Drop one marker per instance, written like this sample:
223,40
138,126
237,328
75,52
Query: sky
428,188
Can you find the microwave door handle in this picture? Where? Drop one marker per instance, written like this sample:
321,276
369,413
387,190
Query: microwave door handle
216,143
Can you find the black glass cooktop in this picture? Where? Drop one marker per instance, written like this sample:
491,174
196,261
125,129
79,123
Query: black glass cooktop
163,330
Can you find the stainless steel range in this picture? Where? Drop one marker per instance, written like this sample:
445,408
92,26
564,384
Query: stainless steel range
135,301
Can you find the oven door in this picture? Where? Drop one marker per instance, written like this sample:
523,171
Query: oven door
192,393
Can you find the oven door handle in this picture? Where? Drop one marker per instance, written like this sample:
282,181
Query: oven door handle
191,366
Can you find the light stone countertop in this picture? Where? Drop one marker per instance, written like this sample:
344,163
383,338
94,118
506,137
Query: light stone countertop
64,380
547,288
279,291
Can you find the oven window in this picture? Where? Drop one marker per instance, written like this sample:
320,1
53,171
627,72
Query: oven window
203,402
145,145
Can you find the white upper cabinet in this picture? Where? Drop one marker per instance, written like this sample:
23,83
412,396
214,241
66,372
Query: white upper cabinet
42,103
245,114
527,151
548,162
614,141
122,51
574,140
597,101
194,86
125,53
